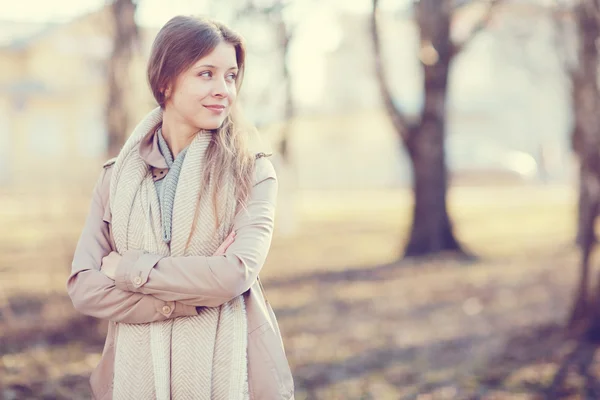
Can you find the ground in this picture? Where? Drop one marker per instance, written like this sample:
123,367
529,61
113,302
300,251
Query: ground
357,323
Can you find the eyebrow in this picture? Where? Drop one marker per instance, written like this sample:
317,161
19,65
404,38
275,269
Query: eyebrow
213,67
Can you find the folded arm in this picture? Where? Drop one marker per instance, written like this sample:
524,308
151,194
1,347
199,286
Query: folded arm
95,294
212,280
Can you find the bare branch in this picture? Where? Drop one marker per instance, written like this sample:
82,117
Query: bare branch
274,11
479,26
400,122
251,8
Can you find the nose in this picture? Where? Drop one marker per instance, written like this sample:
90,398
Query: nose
220,88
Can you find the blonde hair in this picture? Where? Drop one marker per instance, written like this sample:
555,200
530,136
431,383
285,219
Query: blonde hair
178,45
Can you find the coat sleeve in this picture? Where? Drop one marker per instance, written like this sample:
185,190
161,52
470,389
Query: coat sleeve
95,294
213,280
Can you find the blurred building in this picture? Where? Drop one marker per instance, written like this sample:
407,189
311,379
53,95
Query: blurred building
52,97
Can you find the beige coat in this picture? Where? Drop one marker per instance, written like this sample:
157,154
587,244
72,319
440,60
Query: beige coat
151,288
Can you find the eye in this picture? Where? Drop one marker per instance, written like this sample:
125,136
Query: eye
206,74
232,76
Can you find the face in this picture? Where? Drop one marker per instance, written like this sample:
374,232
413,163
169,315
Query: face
203,95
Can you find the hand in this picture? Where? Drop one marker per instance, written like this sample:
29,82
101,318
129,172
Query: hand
225,245
110,264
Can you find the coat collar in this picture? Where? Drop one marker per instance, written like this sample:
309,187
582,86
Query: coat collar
149,151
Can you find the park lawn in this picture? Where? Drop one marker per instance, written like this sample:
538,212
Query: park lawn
357,323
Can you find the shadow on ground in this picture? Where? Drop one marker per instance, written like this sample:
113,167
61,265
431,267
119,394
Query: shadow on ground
446,329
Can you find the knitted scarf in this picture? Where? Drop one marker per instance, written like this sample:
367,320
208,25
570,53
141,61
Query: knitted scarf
200,357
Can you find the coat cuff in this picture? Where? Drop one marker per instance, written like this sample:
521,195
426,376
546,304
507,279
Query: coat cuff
134,268
184,310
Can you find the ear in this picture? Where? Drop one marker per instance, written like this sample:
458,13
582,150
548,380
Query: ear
166,92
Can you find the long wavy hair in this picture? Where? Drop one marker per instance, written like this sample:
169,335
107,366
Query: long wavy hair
178,45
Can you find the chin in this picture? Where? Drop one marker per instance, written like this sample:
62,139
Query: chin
210,124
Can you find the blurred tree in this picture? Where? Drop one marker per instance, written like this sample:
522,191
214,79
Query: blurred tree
570,58
125,36
282,22
585,313
584,319
424,140
284,33
274,11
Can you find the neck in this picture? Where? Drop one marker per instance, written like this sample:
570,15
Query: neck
177,133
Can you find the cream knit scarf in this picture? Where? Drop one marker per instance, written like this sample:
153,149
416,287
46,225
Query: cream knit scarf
197,357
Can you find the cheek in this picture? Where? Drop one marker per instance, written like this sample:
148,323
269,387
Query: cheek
232,94
199,90
194,89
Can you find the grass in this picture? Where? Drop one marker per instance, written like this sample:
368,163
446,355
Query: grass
357,323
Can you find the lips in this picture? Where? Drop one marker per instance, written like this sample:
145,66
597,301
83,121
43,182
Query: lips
215,107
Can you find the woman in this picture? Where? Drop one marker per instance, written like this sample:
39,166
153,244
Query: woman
179,228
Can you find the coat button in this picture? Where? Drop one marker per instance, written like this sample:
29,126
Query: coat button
166,309
137,280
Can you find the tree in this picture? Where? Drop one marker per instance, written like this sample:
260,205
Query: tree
284,33
125,36
424,140
282,19
586,144
283,28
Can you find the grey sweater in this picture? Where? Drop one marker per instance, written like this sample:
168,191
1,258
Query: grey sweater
167,186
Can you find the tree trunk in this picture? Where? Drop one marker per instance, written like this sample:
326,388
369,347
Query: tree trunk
586,103
125,35
288,221
284,35
588,208
578,146
431,231
431,227
585,312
